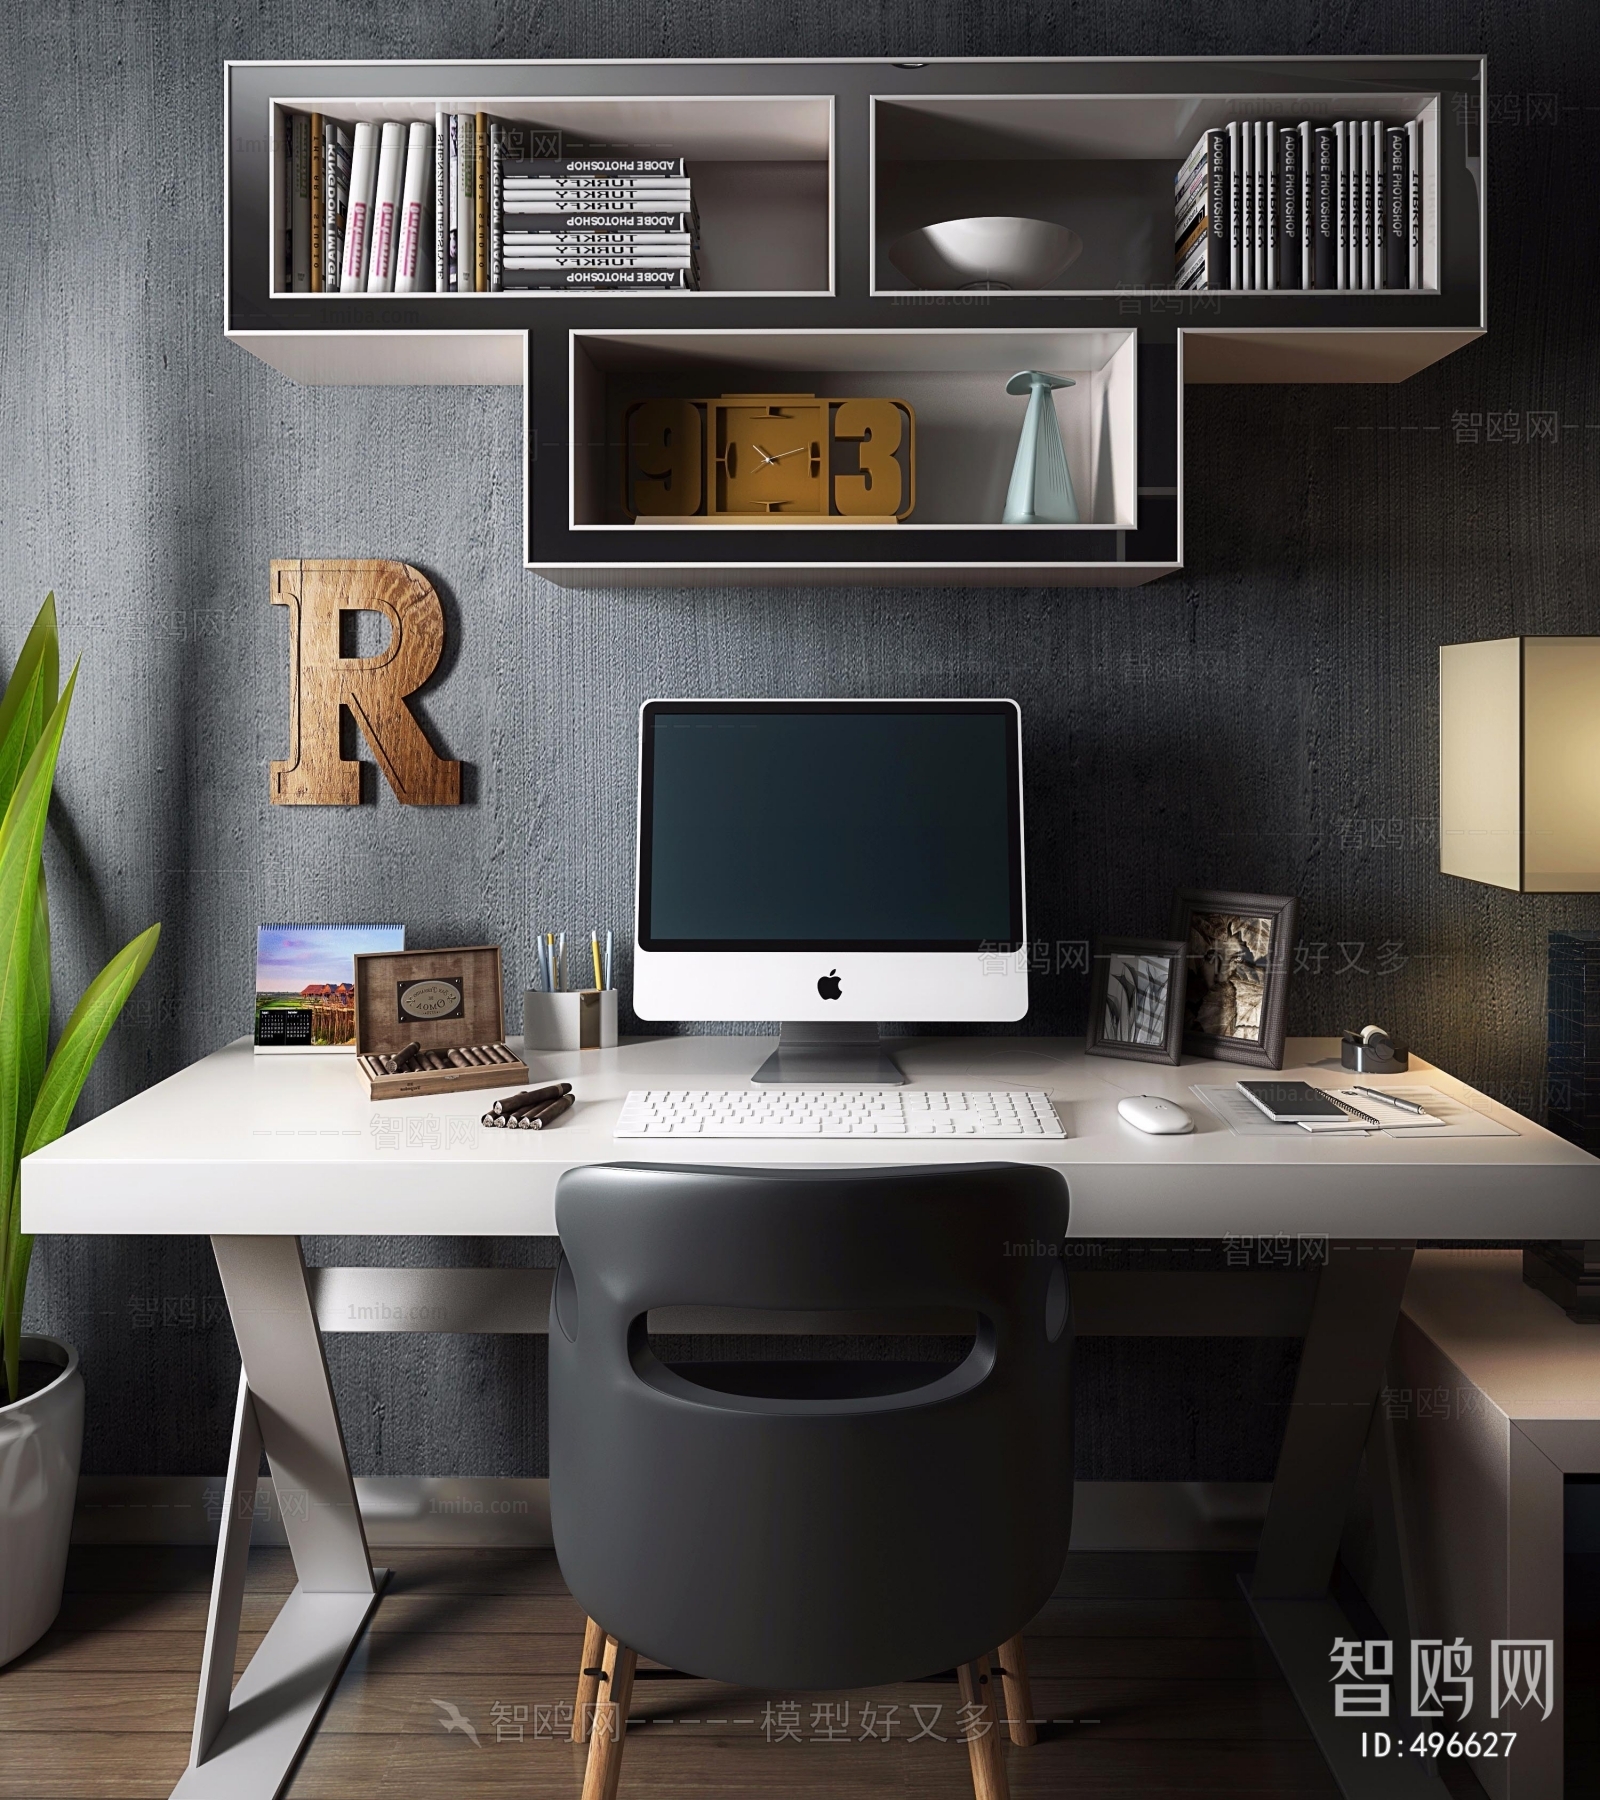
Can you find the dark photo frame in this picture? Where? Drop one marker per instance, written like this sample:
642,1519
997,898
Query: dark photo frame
1136,988
1238,950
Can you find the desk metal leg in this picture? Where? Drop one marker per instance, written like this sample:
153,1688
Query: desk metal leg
245,1747
1341,1376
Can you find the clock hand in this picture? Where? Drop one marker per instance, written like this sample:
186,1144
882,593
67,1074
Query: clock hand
783,453
762,454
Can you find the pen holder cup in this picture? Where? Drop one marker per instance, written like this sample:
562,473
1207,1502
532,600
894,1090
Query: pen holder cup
586,1020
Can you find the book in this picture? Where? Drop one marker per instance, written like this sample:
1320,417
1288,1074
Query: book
480,192
283,177
410,271
1270,203
1235,205
358,217
562,278
1325,202
467,203
335,201
441,201
1341,148
1218,179
318,203
644,259
1247,153
1289,207
1397,247
611,167
496,206
555,243
1380,209
1364,145
1190,189
300,203
1258,204
1307,153
1414,206
601,224
386,206
453,204
542,205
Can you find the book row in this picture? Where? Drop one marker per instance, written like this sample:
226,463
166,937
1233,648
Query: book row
1259,205
462,205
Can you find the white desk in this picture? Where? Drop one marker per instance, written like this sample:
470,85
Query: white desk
247,1144
257,1151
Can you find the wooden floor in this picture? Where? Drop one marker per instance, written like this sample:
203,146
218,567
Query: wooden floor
1147,1665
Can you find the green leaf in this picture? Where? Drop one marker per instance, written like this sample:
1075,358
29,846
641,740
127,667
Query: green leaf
21,840
87,1029
29,698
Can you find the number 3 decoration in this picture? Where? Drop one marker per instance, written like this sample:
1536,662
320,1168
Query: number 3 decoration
758,458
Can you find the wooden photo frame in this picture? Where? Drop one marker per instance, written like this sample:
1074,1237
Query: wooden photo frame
1136,988
1239,950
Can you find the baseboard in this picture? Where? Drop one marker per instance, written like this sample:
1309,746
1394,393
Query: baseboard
506,1512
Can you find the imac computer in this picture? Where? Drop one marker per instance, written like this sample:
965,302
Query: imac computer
830,864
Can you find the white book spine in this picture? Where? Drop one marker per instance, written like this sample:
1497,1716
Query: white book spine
1341,148
466,203
408,269
1366,204
300,204
358,212
453,203
441,201
1414,208
1247,186
1308,144
1235,180
1380,209
386,207
1258,208
1272,204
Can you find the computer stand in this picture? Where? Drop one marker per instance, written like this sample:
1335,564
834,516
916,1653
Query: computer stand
841,1055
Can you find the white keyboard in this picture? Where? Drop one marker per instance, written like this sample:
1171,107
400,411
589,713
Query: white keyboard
806,1112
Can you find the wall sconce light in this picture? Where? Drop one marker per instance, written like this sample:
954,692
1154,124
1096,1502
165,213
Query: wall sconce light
1519,763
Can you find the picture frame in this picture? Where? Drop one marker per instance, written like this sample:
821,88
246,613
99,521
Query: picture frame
1238,950
1136,989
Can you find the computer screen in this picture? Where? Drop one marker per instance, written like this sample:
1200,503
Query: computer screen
830,826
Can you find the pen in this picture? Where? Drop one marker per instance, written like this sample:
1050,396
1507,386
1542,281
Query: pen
594,947
1390,1099
607,982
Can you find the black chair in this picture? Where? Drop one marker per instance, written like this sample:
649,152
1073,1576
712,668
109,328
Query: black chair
810,1523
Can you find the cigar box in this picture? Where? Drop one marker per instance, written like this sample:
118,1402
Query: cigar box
443,1001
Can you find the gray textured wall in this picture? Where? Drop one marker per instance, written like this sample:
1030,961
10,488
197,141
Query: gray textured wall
1265,720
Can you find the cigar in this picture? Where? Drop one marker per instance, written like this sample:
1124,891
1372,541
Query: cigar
406,1058
536,1121
471,1056
495,1120
499,1053
531,1099
458,1059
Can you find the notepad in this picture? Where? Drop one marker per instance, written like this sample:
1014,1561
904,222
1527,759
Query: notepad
1446,1117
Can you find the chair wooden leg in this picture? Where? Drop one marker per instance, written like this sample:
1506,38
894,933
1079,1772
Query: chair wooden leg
1011,1664
984,1750
594,1648
604,1767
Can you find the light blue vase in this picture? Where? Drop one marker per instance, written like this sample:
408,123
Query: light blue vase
1041,486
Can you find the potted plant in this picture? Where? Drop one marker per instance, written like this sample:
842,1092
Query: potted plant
41,1399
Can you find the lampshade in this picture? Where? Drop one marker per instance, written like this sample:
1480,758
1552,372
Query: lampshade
1519,763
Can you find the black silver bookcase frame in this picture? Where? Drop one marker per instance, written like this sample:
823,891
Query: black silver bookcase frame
1079,110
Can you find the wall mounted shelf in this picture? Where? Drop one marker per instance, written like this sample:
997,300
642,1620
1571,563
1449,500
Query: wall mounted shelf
804,171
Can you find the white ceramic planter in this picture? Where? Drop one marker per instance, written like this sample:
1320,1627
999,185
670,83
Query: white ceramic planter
41,1438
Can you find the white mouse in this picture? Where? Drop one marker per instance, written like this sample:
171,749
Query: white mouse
1149,1112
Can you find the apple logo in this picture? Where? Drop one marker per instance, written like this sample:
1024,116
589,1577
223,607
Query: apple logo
828,985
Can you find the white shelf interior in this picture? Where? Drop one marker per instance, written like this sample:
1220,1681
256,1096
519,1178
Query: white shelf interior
1102,164
761,172
967,426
